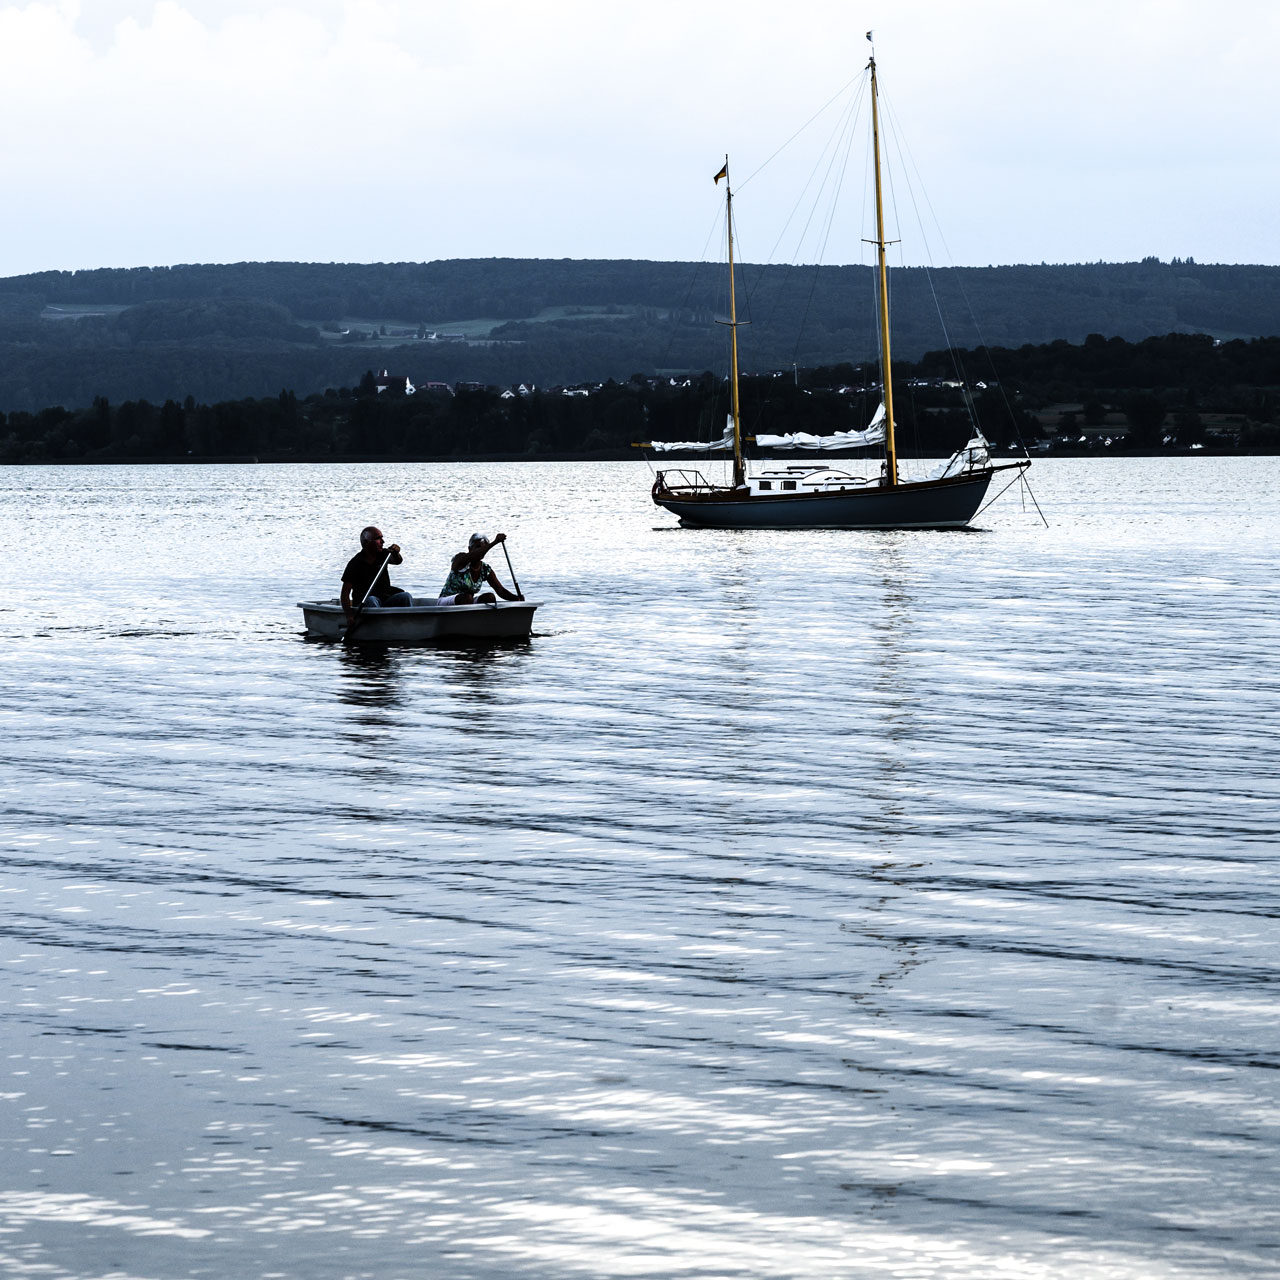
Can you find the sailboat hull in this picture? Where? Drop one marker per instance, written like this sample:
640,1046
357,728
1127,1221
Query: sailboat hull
941,504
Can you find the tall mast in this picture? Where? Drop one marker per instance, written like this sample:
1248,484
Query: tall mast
891,453
739,471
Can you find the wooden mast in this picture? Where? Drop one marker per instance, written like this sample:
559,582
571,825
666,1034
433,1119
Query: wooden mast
739,471
891,453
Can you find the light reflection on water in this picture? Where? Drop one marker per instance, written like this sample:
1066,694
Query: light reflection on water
789,905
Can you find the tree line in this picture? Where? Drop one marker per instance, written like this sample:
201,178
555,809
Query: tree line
1163,387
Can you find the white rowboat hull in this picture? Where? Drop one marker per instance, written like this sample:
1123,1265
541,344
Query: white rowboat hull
422,621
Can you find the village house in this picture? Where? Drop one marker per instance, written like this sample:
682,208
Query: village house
385,382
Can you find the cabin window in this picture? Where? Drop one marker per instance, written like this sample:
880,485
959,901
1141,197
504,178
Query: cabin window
788,484
766,484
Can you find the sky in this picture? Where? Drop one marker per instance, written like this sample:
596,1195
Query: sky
155,132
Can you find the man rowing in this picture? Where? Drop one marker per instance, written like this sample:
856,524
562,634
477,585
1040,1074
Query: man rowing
366,572
468,573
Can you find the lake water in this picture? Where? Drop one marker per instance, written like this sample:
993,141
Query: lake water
808,904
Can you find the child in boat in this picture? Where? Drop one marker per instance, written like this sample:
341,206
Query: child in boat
468,573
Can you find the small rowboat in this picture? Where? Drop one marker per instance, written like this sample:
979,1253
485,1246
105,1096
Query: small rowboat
423,621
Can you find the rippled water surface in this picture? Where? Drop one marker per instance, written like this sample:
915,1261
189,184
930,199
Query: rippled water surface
790,905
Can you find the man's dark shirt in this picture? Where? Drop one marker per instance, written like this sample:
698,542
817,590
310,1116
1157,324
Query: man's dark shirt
359,574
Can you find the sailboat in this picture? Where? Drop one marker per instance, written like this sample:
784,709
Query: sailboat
816,496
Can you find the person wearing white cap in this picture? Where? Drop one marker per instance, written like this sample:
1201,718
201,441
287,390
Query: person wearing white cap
468,573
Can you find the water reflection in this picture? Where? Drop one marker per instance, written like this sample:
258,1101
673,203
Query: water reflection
895,695
372,676
478,679
806,905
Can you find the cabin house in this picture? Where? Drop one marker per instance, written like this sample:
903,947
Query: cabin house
385,382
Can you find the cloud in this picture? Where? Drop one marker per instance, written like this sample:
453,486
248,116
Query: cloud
209,130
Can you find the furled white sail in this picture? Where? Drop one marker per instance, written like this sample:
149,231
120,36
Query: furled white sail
872,435
973,457
671,446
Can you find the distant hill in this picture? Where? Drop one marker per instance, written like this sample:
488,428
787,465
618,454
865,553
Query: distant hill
249,329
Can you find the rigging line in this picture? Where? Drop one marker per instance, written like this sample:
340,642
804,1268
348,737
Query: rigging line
844,138
1026,484
888,281
868,225
847,140
908,165
844,88
822,250
982,341
688,293
746,339
740,265
991,364
841,135
751,287
844,124
893,131
1002,492
781,294
719,301
1023,478
848,118
897,226
710,414
749,418
868,256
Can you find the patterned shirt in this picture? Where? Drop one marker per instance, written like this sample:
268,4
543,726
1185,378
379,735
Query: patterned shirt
469,578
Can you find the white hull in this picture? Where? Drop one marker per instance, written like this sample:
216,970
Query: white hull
325,618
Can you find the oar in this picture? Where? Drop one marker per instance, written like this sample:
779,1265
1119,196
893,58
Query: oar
355,622
510,570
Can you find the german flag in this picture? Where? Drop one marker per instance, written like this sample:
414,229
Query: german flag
724,173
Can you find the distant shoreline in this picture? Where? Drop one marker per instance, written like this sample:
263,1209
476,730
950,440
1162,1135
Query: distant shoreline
614,455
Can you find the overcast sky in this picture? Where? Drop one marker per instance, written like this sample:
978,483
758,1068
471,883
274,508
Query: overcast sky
139,132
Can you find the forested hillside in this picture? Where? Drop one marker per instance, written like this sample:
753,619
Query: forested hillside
249,329
1177,393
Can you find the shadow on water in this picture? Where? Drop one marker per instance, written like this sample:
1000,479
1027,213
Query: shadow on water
372,677
476,678
480,644
372,684
382,679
